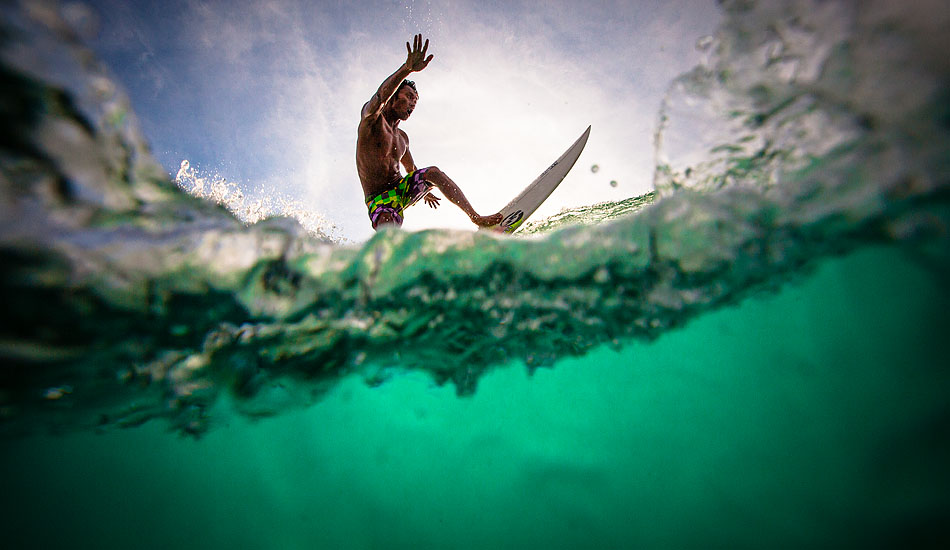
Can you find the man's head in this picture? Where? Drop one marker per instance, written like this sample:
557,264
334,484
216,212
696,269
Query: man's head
404,100
409,83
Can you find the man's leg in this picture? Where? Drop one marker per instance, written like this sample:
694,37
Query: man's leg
385,215
383,220
452,192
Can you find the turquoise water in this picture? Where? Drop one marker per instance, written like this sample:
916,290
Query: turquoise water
752,356
811,417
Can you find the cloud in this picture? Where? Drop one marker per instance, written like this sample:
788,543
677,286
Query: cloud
270,92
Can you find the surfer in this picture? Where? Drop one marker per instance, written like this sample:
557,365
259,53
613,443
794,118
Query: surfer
381,147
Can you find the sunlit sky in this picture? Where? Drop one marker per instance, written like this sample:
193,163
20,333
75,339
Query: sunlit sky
267,94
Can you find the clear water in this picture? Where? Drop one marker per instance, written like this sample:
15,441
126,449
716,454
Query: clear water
753,359
811,417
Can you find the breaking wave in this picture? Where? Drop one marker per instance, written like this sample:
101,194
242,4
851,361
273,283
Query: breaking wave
812,129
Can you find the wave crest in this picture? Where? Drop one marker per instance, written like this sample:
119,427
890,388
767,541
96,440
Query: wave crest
129,299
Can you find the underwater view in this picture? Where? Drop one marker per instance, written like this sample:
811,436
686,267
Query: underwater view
746,356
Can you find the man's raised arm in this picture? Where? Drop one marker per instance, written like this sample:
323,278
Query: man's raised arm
415,61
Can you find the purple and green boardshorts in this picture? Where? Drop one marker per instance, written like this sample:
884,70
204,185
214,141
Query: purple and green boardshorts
409,190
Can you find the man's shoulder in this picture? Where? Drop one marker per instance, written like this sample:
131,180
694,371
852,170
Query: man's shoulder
372,109
369,123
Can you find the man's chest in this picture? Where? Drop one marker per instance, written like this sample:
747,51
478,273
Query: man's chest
389,142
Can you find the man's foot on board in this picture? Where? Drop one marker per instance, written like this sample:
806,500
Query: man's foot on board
486,221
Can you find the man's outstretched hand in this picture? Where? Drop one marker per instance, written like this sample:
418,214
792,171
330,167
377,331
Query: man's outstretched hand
417,60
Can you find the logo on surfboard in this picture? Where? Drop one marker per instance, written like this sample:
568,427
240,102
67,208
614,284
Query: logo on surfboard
512,218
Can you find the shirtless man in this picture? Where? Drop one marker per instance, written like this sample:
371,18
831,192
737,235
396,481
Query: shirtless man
382,146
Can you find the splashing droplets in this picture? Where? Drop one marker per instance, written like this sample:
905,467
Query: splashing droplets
252,209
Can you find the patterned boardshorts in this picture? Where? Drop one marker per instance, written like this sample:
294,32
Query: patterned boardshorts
409,190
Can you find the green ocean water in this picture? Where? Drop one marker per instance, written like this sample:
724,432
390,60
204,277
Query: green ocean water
814,416
752,356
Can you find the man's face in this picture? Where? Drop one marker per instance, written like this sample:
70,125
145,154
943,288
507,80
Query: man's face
404,102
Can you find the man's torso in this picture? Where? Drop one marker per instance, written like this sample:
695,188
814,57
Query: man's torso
379,148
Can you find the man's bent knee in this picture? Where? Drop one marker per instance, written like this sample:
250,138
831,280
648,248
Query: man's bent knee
433,172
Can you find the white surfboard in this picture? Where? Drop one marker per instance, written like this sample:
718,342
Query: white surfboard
540,189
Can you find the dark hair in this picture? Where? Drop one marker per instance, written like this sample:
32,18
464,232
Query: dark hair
409,83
